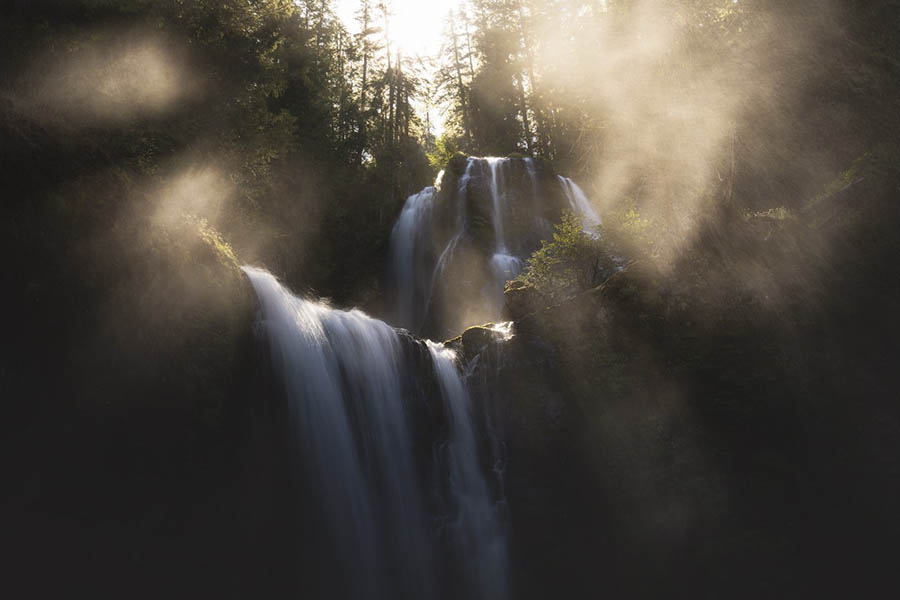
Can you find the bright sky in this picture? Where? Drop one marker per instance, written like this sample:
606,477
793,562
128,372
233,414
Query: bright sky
415,25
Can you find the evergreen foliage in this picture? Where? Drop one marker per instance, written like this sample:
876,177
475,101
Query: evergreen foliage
572,261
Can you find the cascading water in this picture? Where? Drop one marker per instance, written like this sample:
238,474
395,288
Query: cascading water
346,380
498,198
412,278
453,249
460,228
474,524
409,274
581,206
504,266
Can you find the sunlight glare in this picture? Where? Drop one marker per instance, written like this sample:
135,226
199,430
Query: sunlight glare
415,27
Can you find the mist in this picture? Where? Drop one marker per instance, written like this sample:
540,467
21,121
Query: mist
109,78
682,111
598,298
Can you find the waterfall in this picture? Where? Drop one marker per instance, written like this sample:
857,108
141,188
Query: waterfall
346,379
454,248
475,526
504,266
532,174
412,279
410,276
498,198
460,229
581,206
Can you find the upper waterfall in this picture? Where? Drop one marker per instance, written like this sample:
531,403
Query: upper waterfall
580,205
455,246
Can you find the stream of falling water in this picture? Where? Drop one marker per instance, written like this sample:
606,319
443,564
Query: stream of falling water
418,268
344,377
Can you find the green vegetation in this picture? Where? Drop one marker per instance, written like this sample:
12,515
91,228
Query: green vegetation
214,241
572,261
445,148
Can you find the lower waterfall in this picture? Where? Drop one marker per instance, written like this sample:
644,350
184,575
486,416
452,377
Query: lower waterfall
398,530
478,538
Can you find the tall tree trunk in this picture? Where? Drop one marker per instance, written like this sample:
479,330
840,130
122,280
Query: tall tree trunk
387,131
341,96
465,20
391,99
461,89
320,31
523,110
537,109
363,110
397,82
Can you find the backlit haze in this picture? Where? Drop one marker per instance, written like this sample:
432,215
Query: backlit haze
415,26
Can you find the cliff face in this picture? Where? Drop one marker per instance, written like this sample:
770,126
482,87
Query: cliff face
139,425
700,429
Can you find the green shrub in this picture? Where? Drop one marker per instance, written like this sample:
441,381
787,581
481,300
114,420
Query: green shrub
445,148
572,261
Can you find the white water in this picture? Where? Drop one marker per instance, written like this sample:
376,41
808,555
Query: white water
447,254
532,174
504,330
474,522
498,198
504,266
419,268
581,206
409,273
343,375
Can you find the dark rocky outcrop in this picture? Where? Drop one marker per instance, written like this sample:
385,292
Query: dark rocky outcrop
142,452
699,430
